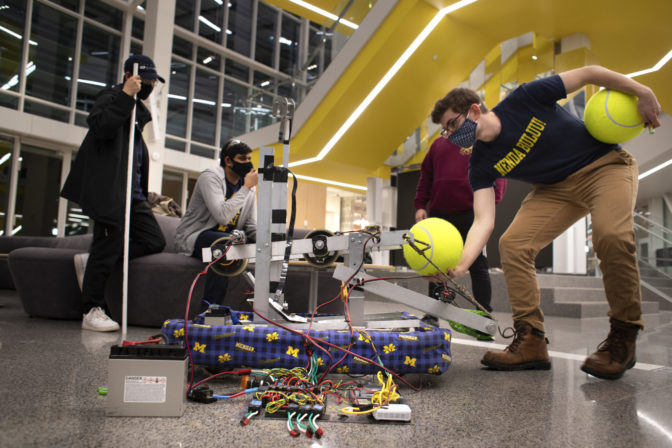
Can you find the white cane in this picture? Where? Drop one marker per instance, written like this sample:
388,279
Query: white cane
127,217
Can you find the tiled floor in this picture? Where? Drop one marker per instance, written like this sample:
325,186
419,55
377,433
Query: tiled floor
51,370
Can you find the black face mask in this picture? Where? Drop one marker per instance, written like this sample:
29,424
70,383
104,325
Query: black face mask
242,169
145,90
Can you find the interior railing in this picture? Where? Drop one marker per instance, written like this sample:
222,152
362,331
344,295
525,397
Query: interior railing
654,244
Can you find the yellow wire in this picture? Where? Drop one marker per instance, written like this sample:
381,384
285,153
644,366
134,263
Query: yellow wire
387,394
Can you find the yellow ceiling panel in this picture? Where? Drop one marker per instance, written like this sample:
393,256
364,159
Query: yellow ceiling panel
624,36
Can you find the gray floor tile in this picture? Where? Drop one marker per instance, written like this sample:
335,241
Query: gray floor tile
51,371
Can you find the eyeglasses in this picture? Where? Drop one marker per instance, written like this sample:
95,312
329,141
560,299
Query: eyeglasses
450,127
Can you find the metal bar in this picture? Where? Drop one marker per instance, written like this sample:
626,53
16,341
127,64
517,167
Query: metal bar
388,240
419,301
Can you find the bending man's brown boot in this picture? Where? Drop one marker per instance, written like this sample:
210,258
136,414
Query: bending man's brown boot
614,355
527,351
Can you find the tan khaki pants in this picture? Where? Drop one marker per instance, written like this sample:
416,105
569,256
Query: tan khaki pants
607,189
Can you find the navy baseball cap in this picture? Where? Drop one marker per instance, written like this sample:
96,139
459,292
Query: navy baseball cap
146,67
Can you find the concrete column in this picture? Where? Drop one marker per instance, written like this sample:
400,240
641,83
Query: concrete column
158,45
569,250
380,210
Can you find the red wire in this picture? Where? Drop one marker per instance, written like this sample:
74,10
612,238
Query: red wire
311,339
186,317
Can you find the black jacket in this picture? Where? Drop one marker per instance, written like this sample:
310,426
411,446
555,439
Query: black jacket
97,178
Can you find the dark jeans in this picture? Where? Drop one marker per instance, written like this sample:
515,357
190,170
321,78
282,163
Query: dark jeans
107,249
215,284
480,277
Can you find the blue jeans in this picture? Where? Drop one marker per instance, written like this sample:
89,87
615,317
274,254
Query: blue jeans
215,284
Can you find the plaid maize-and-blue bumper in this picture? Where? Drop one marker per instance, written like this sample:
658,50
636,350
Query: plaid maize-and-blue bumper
246,344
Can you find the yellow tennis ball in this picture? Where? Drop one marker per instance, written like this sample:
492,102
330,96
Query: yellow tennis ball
440,242
612,117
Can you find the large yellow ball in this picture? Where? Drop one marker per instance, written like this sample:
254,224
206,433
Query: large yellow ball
612,117
439,240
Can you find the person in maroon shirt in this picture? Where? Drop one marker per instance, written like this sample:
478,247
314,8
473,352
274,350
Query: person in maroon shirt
444,192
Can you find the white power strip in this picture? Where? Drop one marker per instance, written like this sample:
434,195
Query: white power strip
394,412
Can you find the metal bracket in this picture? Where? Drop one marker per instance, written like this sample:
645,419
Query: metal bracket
419,301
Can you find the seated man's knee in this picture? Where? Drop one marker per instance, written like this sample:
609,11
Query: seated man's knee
157,245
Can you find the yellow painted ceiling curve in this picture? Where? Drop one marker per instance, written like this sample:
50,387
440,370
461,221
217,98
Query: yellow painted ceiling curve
623,35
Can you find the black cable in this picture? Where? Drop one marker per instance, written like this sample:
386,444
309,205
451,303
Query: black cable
288,243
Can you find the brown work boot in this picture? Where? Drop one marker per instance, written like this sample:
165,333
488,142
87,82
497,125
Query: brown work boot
614,355
527,351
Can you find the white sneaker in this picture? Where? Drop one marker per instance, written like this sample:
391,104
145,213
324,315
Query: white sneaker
80,267
97,320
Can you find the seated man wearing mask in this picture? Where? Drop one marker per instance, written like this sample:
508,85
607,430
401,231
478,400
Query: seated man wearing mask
223,201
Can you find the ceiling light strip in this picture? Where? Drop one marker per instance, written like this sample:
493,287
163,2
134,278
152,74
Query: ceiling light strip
655,169
383,82
324,13
655,68
330,182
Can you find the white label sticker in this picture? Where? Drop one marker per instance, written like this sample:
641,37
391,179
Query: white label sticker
145,389
206,255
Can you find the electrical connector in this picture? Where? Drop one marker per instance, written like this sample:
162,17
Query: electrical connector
255,405
201,394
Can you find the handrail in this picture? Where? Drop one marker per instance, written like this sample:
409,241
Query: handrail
660,226
639,226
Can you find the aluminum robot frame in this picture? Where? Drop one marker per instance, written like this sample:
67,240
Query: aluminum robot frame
273,249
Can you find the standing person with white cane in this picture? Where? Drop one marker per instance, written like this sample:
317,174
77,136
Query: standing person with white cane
97,182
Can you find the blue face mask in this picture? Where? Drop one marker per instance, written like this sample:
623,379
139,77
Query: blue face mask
465,135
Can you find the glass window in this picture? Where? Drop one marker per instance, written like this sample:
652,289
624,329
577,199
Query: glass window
104,13
80,120
239,29
204,118
267,24
8,101
191,184
180,75
261,107
263,81
237,70
314,68
177,145
12,19
184,14
202,151
288,90
5,173
171,185
76,222
289,45
49,70
98,65
211,20
138,29
182,47
209,59
234,110
44,110
136,48
70,4
38,190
